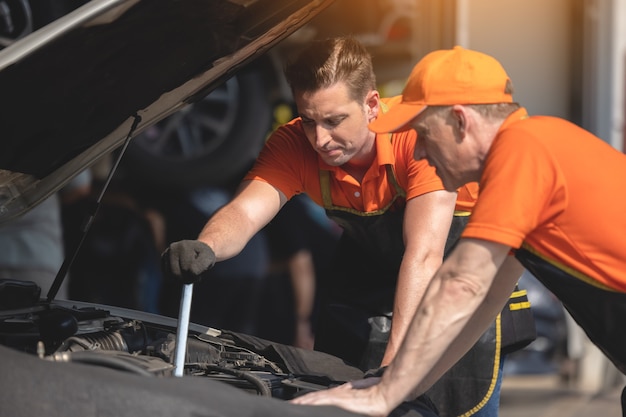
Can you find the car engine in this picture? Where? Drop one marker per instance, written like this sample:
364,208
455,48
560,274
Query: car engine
67,331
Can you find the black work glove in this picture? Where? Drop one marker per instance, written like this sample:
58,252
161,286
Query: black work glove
187,261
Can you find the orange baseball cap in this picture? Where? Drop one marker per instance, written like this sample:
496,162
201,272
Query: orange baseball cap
447,77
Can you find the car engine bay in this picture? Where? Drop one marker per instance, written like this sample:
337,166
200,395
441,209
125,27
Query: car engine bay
71,331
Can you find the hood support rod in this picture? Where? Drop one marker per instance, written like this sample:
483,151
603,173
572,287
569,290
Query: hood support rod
69,261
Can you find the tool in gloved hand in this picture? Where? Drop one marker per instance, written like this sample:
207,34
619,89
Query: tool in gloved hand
182,330
187,260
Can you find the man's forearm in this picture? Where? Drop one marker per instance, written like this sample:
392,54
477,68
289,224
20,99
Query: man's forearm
231,227
507,276
433,329
426,225
413,280
449,320
226,232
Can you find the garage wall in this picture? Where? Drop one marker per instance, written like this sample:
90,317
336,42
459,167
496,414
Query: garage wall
609,117
532,39
618,132
566,58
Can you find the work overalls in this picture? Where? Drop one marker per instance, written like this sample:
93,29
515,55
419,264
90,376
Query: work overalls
356,301
599,310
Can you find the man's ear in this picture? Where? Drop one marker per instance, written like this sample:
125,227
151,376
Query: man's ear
460,120
372,104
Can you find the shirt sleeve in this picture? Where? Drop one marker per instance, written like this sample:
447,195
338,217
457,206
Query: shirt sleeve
517,186
283,160
420,177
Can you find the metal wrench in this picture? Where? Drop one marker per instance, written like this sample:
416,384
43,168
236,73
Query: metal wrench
183,328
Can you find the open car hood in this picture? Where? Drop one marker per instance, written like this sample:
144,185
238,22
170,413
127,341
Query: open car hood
77,88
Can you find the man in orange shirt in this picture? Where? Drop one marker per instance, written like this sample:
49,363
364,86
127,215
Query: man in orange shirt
394,211
551,200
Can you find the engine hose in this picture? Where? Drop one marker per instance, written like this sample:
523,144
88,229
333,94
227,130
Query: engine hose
97,358
101,340
260,385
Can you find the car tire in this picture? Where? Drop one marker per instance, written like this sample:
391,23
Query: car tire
212,142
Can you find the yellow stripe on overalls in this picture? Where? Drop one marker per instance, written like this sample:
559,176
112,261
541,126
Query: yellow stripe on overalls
522,304
519,293
576,274
519,306
496,370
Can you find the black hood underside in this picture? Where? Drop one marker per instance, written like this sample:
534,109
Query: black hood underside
79,87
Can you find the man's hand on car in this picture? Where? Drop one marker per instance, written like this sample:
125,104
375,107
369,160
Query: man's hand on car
359,396
187,260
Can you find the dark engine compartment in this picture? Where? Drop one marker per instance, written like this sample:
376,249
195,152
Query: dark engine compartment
67,331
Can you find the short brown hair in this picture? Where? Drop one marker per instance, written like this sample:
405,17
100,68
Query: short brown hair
323,63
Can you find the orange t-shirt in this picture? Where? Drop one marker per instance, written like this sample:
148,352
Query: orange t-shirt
560,191
289,163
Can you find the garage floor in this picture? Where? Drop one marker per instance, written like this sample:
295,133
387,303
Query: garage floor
544,396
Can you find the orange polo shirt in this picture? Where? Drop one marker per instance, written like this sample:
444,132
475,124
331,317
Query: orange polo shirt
289,162
559,191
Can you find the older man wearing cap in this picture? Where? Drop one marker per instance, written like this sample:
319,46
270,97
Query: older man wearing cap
552,200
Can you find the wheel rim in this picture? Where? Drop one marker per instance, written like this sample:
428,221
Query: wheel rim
196,130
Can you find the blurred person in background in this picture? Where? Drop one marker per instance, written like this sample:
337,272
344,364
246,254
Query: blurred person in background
302,240
117,262
32,246
231,296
